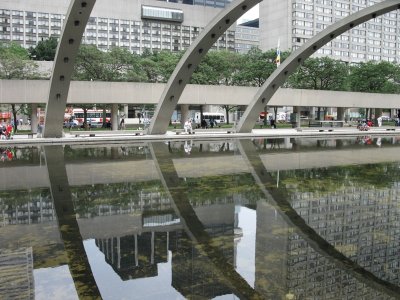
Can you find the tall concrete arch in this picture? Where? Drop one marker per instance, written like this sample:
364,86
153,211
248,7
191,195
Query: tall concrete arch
191,59
67,50
279,76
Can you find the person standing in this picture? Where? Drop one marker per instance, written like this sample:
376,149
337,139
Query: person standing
122,123
188,126
379,121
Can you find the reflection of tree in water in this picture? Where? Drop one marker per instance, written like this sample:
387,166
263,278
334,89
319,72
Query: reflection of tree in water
111,152
217,189
325,180
22,206
119,198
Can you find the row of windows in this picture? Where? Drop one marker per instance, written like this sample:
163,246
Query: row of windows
28,14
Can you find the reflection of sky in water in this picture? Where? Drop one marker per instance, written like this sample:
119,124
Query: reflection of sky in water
246,247
159,287
54,283
112,287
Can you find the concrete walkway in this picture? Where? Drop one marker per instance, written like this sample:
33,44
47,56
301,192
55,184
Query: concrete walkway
88,137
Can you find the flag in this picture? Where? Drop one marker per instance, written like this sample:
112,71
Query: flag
278,55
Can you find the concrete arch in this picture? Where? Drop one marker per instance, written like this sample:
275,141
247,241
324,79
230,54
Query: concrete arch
71,36
191,59
279,76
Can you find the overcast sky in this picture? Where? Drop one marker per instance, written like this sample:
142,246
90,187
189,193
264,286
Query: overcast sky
250,15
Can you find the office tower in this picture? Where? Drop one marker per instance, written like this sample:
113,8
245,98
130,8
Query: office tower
135,25
294,22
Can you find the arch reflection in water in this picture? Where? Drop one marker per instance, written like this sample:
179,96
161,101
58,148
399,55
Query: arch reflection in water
132,214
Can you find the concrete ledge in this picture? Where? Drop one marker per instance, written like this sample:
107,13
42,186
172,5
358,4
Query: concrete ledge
179,131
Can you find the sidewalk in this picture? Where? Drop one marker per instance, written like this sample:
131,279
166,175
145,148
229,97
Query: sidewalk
217,133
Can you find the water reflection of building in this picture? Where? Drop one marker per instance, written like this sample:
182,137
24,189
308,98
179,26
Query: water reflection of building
361,223
137,255
26,207
16,269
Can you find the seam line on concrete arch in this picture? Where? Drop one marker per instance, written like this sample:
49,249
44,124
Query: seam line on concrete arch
279,76
191,59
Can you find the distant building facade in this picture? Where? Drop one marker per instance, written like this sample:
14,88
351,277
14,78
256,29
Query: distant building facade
296,21
140,25
247,36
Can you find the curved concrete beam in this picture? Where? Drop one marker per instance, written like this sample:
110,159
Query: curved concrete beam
67,50
78,261
192,224
191,59
279,76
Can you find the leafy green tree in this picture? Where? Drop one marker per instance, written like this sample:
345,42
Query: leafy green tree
322,73
166,63
44,50
118,64
219,68
89,64
15,63
375,77
257,66
121,65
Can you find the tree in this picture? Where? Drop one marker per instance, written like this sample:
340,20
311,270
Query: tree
375,77
322,73
257,66
166,62
89,64
218,68
15,63
44,50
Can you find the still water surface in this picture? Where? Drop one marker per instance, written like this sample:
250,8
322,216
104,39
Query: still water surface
232,219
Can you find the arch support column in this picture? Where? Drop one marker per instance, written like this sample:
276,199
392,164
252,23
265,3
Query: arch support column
34,118
70,40
340,115
184,113
114,117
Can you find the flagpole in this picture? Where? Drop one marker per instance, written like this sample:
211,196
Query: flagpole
278,54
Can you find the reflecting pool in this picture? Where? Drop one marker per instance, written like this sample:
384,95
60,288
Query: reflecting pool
232,219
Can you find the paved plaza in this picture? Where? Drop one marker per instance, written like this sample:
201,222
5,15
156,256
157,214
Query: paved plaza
87,137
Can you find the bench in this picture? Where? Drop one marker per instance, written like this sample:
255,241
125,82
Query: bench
30,135
179,131
83,135
300,129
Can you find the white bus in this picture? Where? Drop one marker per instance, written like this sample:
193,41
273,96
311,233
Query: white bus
219,118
